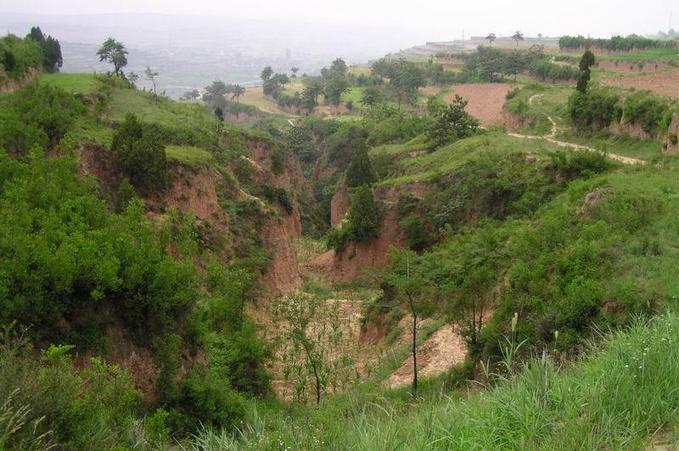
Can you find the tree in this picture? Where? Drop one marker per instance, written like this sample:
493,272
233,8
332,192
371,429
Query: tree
267,72
313,87
52,59
113,52
471,271
491,38
517,37
191,95
339,66
151,75
311,341
236,92
586,62
363,215
405,275
138,153
335,85
371,96
294,71
360,170
452,123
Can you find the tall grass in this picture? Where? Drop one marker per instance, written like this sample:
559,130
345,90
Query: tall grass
626,390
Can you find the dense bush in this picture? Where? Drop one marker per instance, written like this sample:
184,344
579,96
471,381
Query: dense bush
139,153
18,56
595,109
450,123
360,170
362,223
47,402
36,115
64,255
652,112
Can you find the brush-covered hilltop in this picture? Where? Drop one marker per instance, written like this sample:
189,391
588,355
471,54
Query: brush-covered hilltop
470,249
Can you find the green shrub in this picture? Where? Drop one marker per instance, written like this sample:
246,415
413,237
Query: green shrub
360,170
205,398
595,109
36,115
139,153
653,113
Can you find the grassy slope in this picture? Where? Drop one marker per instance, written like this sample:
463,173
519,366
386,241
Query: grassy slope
73,83
616,398
163,111
445,160
551,100
191,156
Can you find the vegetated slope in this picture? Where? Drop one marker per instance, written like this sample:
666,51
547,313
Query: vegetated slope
152,273
620,396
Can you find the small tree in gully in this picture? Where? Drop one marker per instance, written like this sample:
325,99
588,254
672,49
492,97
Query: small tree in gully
311,344
406,276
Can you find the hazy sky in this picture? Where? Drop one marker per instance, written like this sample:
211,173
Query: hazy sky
439,19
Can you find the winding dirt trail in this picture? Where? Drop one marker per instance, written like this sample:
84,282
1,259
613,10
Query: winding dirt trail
551,137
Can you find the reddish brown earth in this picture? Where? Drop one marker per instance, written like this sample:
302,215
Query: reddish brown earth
664,82
339,205
356,259
485,100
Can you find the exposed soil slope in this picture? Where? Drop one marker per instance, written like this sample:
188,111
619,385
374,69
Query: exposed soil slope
485,100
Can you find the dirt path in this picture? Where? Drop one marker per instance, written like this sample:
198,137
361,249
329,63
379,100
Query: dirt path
443,349
551,137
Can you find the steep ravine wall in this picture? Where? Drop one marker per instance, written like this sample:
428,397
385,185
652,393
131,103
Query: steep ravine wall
195,191
352,262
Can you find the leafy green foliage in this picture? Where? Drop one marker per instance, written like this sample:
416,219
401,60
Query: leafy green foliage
139,153
452,123
595,109
363,220
91,408
360,170
76,257
36,115
405,78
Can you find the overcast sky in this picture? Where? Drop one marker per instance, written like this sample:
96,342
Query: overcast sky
440,19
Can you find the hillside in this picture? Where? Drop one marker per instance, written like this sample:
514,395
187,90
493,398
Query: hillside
423,254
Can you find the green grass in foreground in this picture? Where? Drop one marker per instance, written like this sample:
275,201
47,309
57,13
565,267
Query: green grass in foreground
73,83
617,398
191,156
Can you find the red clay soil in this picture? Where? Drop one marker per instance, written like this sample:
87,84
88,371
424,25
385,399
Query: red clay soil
665,82
485,100
339,205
